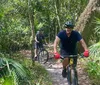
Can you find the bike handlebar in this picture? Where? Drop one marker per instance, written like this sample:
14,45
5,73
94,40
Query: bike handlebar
73,56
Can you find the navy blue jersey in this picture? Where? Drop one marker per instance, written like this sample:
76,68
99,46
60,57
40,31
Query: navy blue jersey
69,43
40,37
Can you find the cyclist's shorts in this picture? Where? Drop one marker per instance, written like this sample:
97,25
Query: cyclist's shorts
37,45
63,53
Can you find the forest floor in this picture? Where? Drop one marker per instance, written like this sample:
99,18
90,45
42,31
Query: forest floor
54,67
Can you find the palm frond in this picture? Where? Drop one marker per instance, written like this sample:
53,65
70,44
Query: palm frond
95,49
95,53
97,28
19,69
9,67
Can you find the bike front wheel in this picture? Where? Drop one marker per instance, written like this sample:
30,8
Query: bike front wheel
74,77
43,56
69,76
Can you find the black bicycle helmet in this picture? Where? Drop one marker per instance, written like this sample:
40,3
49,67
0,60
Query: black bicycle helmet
68,24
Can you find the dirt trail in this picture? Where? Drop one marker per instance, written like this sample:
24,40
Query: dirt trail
55,69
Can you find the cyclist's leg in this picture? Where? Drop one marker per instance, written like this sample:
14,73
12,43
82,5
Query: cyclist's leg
35,50
65,61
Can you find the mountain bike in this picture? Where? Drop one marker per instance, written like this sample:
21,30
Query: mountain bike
71,71
42,55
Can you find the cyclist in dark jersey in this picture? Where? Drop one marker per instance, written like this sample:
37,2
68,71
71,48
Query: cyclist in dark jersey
38,41
68,39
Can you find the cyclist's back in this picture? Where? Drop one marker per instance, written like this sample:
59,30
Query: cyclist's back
40,37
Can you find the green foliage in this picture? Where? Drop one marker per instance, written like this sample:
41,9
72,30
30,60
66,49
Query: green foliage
37,73
94,72
93,64
7,81
15,27
97,21
97,28
11,72
95,50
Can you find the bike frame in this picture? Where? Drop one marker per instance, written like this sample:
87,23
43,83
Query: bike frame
72,76
72,72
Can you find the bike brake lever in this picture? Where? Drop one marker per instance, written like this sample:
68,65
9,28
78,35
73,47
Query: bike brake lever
61,57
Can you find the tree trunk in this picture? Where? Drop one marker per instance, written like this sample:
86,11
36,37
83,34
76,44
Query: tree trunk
57,8
31,20
85,22
86,15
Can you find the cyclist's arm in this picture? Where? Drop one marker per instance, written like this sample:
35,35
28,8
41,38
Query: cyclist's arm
56,43
36,39
83,44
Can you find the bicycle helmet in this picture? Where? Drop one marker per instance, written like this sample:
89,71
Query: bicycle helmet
38,32
68,24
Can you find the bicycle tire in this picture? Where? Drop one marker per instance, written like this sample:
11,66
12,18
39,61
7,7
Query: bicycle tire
74,77
43,56
69,75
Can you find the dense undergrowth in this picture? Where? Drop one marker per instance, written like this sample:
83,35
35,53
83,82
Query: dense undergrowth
93,64
36,75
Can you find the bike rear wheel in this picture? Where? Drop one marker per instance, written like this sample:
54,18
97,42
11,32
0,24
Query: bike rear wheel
43,56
